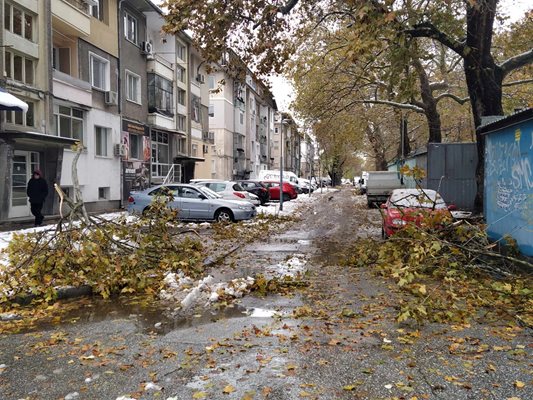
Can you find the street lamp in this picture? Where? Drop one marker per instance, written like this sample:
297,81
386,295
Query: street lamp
283,122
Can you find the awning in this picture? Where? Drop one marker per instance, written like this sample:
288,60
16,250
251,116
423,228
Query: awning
8,102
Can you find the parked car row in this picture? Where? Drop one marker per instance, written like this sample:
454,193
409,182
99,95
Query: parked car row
214,200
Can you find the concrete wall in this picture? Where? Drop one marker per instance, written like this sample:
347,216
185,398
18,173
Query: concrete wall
104,34
509,184
133,60
96,171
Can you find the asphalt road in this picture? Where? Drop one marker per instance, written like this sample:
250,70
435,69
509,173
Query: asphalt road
336,339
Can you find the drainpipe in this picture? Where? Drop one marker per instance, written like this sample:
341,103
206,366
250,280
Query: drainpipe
119,96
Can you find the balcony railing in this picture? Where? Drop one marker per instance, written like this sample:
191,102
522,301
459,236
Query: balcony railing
79,4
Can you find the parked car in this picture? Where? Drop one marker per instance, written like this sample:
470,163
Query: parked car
193,202
305,185
289,193
229,190
406,206
257,188
379,186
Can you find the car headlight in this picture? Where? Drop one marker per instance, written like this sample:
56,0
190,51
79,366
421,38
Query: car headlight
398,222
247,208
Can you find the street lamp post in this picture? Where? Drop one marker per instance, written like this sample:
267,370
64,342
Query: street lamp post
284,122
281,167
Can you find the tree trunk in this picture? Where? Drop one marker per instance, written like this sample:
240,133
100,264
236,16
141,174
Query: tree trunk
483,78
375,138
430,104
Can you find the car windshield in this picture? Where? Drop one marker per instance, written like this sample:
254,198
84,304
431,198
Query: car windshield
417,199
209,193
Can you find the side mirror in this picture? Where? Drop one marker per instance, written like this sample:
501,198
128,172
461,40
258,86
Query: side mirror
452,207
203,197
383,206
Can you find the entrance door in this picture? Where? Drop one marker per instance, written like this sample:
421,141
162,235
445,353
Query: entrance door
24,163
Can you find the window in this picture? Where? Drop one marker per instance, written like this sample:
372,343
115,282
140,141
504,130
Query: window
130,28
18,21
103,193
68,122
181,52
101,140
194,152
136,147
211,81
182,146
205,149
99,69
195,106
97,11
160,93
180,74
160,154
211,110
276,130
19,68
133,87
181,97
22,118
61,59
181,122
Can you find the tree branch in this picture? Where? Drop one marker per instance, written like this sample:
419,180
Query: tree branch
404,106
453,97
516,62
519,82
288,7
439,85
428,30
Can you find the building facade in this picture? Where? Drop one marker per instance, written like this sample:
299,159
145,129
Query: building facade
145,105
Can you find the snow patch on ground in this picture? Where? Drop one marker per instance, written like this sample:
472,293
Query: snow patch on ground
292,267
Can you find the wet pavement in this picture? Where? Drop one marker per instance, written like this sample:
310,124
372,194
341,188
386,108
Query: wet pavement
335,339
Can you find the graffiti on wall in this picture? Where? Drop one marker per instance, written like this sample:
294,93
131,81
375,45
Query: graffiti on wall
509,170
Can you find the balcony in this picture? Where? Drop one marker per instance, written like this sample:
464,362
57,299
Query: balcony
69,88
71,17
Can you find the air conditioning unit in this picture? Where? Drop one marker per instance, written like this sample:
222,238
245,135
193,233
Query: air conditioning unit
148,49
200,78
119,150
111,98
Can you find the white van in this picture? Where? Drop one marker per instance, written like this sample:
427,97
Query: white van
273,175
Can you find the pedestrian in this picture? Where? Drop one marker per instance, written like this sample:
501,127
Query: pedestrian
37,191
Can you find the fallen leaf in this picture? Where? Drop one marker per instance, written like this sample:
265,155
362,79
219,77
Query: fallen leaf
228,389
199,395
519,384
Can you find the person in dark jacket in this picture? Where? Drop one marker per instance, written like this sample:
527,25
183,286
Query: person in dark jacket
37,191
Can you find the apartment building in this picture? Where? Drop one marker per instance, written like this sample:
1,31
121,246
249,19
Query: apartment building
85,60
28,140
241,122
287,138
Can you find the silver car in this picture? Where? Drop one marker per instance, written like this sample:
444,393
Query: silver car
229,190
193,202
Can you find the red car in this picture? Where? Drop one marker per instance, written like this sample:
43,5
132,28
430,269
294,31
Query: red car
289,193
411,206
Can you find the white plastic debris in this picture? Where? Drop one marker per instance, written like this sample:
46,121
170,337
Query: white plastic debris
72,396
157,325
152,386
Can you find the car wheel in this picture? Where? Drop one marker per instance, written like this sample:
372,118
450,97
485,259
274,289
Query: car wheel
224,215
286,197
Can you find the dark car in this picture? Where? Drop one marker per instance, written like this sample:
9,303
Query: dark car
289,193
258,189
